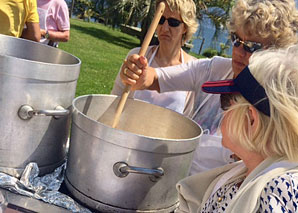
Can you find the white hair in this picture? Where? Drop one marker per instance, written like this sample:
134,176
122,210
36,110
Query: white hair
277,135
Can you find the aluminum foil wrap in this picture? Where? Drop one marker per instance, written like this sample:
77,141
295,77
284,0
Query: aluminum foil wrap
44,188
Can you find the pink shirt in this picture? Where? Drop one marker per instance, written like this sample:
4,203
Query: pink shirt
58,16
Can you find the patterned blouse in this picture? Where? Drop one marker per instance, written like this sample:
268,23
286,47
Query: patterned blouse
279,195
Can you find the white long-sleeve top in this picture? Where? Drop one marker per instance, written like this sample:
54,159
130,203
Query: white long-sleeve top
204,108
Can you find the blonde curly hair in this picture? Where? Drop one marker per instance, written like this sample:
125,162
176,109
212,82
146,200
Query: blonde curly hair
187,11
277,135
276,20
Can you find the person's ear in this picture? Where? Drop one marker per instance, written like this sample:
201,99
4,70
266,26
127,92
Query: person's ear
184,31
253,118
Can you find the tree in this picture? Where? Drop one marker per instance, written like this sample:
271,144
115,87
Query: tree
130,12
133,12
147,20
217,10
71,8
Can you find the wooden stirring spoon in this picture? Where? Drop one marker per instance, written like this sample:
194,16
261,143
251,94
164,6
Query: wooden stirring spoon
158,13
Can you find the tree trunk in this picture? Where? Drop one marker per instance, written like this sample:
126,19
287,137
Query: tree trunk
146,23
71,8
131,11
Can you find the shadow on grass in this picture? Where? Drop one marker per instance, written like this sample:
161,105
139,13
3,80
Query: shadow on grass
104,35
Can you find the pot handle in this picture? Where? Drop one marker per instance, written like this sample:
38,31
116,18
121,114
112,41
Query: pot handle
26,112
122,169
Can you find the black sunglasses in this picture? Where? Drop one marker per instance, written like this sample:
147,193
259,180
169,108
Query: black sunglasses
225,101
171,21
248,46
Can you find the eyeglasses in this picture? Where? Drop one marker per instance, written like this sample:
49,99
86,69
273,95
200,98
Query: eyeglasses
171,21
248,46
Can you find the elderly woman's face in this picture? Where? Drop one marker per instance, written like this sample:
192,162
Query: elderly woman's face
240,55
167,34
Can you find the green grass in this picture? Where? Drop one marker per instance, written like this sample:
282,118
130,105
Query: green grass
101,50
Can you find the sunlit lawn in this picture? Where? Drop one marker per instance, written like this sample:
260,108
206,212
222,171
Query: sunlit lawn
101,50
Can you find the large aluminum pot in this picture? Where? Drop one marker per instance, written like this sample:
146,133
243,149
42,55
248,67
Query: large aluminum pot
35,80
132,168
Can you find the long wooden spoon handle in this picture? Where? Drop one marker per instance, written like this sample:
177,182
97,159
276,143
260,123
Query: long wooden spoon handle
158,13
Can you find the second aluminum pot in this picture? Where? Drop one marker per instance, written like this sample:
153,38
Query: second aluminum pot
37,86
132,168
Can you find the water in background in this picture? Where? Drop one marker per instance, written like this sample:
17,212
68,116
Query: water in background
206,30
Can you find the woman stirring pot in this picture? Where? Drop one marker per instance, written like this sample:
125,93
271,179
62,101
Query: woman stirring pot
176,26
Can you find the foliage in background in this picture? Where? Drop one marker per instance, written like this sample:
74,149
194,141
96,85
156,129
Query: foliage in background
101,50
210,52
133,12
217,10
85,9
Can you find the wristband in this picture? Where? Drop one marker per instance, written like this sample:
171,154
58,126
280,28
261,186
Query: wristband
47,35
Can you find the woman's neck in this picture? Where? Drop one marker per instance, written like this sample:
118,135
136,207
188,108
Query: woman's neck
252,161
168,55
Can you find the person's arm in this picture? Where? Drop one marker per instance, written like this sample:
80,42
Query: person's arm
32,32
191,76
181,77
61,32
184,77
57,36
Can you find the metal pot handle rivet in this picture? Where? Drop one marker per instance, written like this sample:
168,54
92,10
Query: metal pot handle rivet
122,169
26,112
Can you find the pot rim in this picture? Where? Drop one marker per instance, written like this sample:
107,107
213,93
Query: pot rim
112,135
30,43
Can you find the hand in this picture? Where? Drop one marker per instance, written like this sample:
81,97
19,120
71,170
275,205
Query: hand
42,32
135,72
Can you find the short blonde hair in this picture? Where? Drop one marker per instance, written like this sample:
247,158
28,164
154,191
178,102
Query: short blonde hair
277,135
187,11
276,20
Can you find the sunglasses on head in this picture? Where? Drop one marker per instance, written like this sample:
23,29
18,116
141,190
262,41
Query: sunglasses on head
248,46
171,21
